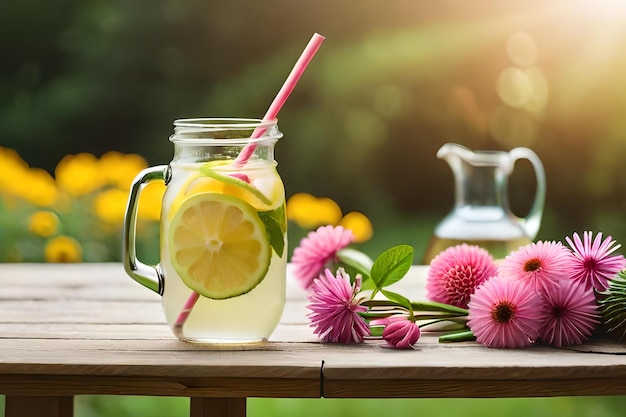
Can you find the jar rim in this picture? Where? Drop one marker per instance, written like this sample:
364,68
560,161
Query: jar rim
224,122
186,129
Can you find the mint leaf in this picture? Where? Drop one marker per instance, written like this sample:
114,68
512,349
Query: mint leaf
275,226
392,265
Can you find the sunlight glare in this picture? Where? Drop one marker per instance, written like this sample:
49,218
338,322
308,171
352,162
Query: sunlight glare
612,10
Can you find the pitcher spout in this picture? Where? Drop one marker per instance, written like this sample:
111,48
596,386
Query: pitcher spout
452,150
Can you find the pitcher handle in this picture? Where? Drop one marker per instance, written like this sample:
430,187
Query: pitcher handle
532,222
149,276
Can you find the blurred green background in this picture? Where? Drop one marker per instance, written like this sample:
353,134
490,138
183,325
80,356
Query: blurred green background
393,81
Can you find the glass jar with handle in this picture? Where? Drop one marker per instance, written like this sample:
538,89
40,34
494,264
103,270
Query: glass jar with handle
223,237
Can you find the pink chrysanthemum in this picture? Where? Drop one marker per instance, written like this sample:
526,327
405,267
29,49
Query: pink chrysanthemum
542,264
317,251
506,313
572,314
400,332
594,264
455,273
334,308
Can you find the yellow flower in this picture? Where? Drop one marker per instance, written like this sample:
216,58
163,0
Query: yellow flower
79,174
359,224
328,211
150,201
110,205
121,169
63,249
19,180
308,211
43,223
38,187
12,167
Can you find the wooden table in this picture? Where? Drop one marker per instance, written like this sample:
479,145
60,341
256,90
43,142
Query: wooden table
77,329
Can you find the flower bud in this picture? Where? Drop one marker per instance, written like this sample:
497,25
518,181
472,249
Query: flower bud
401,333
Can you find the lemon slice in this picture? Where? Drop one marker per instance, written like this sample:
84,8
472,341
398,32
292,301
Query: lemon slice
249,191
218,245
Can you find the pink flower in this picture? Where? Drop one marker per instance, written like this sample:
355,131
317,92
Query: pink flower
506,313
542,264
455,273
572,314
318,250
594,265
334,308
400,332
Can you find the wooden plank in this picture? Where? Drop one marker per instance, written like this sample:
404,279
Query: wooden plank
97,293
107,312
348,366
134,292
160,357
89,331
99,275
468,370
20,406
286,332
166,385
79,311
468,360
467,388
93,279
217,407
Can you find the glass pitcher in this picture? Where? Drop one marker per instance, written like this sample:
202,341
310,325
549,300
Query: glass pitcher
223,232
481,213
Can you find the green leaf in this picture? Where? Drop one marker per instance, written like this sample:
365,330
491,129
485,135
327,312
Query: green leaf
355,262
367,284
275,226
392,265
398,298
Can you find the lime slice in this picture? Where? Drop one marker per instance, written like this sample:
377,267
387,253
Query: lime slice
218,245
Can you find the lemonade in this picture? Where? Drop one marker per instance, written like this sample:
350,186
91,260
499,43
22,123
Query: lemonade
249,313
223,232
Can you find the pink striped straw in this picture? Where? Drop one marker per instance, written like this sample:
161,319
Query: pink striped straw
283,93
248,150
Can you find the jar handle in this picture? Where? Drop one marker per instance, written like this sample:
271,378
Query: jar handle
149,276
532,222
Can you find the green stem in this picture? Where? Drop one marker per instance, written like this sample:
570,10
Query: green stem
461,336
414,317
435,306
453,320
380,303
418,306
